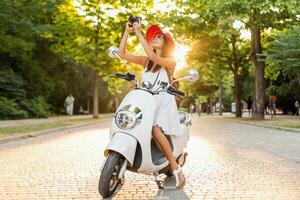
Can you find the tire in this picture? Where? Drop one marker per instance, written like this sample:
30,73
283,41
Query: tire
109,181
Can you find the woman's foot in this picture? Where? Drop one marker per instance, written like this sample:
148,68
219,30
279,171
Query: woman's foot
179,177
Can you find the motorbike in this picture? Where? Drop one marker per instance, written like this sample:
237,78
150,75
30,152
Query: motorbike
131,145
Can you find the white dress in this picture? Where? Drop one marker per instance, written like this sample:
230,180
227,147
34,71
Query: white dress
166,113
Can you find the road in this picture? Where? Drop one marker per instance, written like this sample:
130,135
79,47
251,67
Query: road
227,160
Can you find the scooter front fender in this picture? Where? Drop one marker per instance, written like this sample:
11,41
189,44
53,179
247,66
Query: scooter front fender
124,144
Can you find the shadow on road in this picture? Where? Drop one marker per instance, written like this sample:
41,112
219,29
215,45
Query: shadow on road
166,194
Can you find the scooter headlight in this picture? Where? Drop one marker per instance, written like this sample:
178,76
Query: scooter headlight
125,119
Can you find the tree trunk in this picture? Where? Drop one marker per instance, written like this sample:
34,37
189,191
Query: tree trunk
237,84
259,103
221,99
116,101
96,98
96,86
88,104
237,95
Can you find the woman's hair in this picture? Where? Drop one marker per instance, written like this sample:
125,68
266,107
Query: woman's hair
167,52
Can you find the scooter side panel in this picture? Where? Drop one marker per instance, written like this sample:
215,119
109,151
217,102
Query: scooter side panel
142,130
123,144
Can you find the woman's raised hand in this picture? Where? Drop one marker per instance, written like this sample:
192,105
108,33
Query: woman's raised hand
129,29
136,27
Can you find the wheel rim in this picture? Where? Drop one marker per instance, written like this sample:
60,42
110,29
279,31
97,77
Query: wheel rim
114,179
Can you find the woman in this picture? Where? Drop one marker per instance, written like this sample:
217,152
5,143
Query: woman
272,102
159,65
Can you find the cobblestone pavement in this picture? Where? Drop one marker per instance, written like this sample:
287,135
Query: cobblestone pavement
227,160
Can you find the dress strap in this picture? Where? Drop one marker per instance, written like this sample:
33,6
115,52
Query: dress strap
156,78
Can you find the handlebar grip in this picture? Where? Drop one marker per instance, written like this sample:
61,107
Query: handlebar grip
128,76
119,75
180,93
173,91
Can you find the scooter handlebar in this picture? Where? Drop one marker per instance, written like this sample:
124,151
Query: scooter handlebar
128,76
172,90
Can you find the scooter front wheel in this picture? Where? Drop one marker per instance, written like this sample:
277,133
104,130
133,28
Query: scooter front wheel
109,181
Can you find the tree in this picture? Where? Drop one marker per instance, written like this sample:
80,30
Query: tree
258,17
284,64
218,43
93,26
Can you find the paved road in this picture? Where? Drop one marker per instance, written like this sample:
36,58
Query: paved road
227,160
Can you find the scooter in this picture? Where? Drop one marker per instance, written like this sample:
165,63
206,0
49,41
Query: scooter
131,145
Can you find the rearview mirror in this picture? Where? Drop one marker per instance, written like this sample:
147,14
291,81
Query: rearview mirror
113,52
193,75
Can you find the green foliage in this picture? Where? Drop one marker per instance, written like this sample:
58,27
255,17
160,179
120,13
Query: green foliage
284,64
36,107
11,85
210,24
50,48
13,101
9,109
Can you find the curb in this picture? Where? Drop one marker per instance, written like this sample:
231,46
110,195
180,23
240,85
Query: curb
272,127
48,131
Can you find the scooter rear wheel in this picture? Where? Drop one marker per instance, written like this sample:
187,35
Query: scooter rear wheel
109,181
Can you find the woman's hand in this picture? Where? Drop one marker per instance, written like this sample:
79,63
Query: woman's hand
129,29
137,27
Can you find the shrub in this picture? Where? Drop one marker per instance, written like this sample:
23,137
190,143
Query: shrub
36,107
9,109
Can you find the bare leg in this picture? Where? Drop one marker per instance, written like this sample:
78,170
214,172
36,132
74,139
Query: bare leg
164,146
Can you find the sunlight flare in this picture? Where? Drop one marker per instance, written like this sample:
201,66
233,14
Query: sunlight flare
180,55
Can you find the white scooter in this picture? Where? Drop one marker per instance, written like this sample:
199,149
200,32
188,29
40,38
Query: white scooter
131,145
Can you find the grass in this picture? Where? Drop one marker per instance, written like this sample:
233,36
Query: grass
22,129
280,122
289,123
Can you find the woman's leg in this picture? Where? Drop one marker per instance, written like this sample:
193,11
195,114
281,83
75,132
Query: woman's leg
164,145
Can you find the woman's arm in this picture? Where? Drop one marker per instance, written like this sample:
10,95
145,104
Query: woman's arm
122,49
168,63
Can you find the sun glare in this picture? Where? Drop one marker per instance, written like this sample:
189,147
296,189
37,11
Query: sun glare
245,33
164,6
180,55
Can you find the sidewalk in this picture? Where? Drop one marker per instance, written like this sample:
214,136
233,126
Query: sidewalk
7,123
14,130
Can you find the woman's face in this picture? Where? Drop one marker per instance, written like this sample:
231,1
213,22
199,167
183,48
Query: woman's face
157,42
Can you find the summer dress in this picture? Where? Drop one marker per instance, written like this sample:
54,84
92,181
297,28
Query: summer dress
166,113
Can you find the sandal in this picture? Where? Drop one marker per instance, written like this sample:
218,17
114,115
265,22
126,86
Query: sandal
181,159
176,174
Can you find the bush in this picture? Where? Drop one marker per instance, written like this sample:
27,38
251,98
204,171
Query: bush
9,109
11,85
36,107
